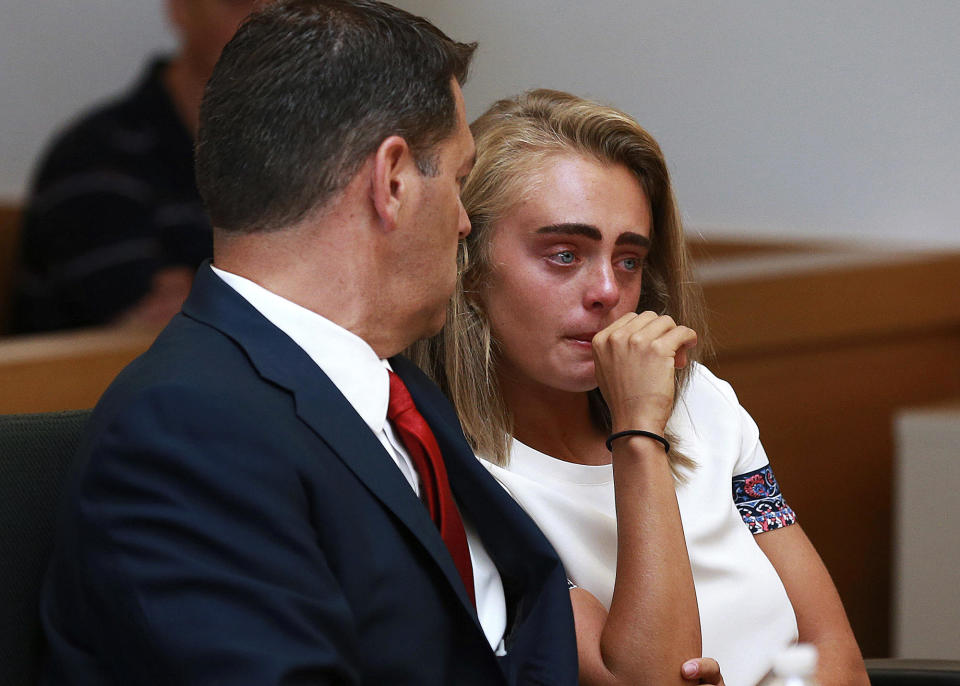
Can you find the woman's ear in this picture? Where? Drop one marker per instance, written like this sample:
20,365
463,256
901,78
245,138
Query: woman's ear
393,167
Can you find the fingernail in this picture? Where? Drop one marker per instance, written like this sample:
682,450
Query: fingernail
690,668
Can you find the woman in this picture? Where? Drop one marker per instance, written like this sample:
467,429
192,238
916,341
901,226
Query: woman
574,277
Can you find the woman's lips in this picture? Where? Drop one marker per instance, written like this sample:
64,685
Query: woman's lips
583,338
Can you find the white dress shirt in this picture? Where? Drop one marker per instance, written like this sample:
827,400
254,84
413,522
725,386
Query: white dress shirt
361,376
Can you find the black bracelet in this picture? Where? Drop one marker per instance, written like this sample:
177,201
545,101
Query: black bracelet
637,432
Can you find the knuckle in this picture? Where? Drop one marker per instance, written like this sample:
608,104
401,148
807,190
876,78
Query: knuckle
662,348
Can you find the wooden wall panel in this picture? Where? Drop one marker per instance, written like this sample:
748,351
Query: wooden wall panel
822,360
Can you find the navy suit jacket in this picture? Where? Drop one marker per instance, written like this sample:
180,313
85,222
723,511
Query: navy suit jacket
232,520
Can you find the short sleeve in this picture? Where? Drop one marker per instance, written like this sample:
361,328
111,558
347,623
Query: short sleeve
759,500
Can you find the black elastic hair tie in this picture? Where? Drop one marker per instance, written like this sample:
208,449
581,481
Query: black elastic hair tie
637,432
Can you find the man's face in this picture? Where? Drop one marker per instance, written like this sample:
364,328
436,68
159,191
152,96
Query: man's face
205,26
438,222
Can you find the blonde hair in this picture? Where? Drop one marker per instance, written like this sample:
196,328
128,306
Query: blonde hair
514,138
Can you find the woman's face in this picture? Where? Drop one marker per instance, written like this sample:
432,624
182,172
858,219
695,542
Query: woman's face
565,263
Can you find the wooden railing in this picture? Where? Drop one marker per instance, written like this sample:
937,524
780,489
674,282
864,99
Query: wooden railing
64,371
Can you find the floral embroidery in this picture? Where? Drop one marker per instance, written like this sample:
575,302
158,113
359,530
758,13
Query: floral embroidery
760,502
755,487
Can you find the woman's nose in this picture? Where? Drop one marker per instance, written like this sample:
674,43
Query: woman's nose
603,291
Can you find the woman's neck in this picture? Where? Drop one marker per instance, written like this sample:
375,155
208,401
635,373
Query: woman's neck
554,422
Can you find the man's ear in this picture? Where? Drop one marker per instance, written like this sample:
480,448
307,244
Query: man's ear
393,165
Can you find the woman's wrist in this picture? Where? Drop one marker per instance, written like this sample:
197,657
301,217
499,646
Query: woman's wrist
630,433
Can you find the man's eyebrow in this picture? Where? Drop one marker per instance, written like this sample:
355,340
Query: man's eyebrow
593,233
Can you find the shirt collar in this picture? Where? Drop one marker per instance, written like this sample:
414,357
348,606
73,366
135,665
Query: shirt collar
347,359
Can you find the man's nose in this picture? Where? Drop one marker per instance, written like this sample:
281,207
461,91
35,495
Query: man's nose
464,222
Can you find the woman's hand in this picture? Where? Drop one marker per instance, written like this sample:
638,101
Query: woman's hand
635,359
702,670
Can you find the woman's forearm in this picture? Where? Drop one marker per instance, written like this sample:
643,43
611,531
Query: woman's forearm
821,619
653,624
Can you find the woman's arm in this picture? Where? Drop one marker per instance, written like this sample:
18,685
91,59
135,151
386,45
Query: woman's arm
653,625
821,619
590,616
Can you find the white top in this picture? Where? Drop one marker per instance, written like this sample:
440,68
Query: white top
361,376
745,615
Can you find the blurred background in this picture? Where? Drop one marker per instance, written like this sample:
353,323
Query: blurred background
817,119
816,158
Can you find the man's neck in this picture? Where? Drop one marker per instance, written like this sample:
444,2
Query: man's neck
316,271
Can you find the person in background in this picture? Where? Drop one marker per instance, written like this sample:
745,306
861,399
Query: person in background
114,228
569,353
271,495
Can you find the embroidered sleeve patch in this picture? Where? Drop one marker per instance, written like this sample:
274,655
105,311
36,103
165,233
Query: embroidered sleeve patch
760,502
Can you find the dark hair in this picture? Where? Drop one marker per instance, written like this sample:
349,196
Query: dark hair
305,91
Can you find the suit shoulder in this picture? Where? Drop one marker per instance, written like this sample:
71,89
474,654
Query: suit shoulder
188,359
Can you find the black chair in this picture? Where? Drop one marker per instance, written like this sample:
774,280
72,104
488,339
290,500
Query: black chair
35,453
908,672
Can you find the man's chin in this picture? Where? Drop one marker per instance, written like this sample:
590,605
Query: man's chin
432,325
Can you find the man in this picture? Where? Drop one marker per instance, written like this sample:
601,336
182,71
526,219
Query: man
245,508
114,227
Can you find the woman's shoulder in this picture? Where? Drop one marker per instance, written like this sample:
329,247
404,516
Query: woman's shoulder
703,387
709,413
708,421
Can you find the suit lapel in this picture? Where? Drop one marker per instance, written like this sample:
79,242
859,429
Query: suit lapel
351,439
321,405
520,551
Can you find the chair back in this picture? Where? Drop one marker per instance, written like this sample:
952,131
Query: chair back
9,243
908,672
35,453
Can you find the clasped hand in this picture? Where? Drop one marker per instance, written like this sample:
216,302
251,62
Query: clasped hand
635,359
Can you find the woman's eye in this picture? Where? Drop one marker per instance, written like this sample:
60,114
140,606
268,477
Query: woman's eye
631,264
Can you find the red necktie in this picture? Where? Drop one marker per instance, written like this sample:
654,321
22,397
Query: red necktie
425,453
